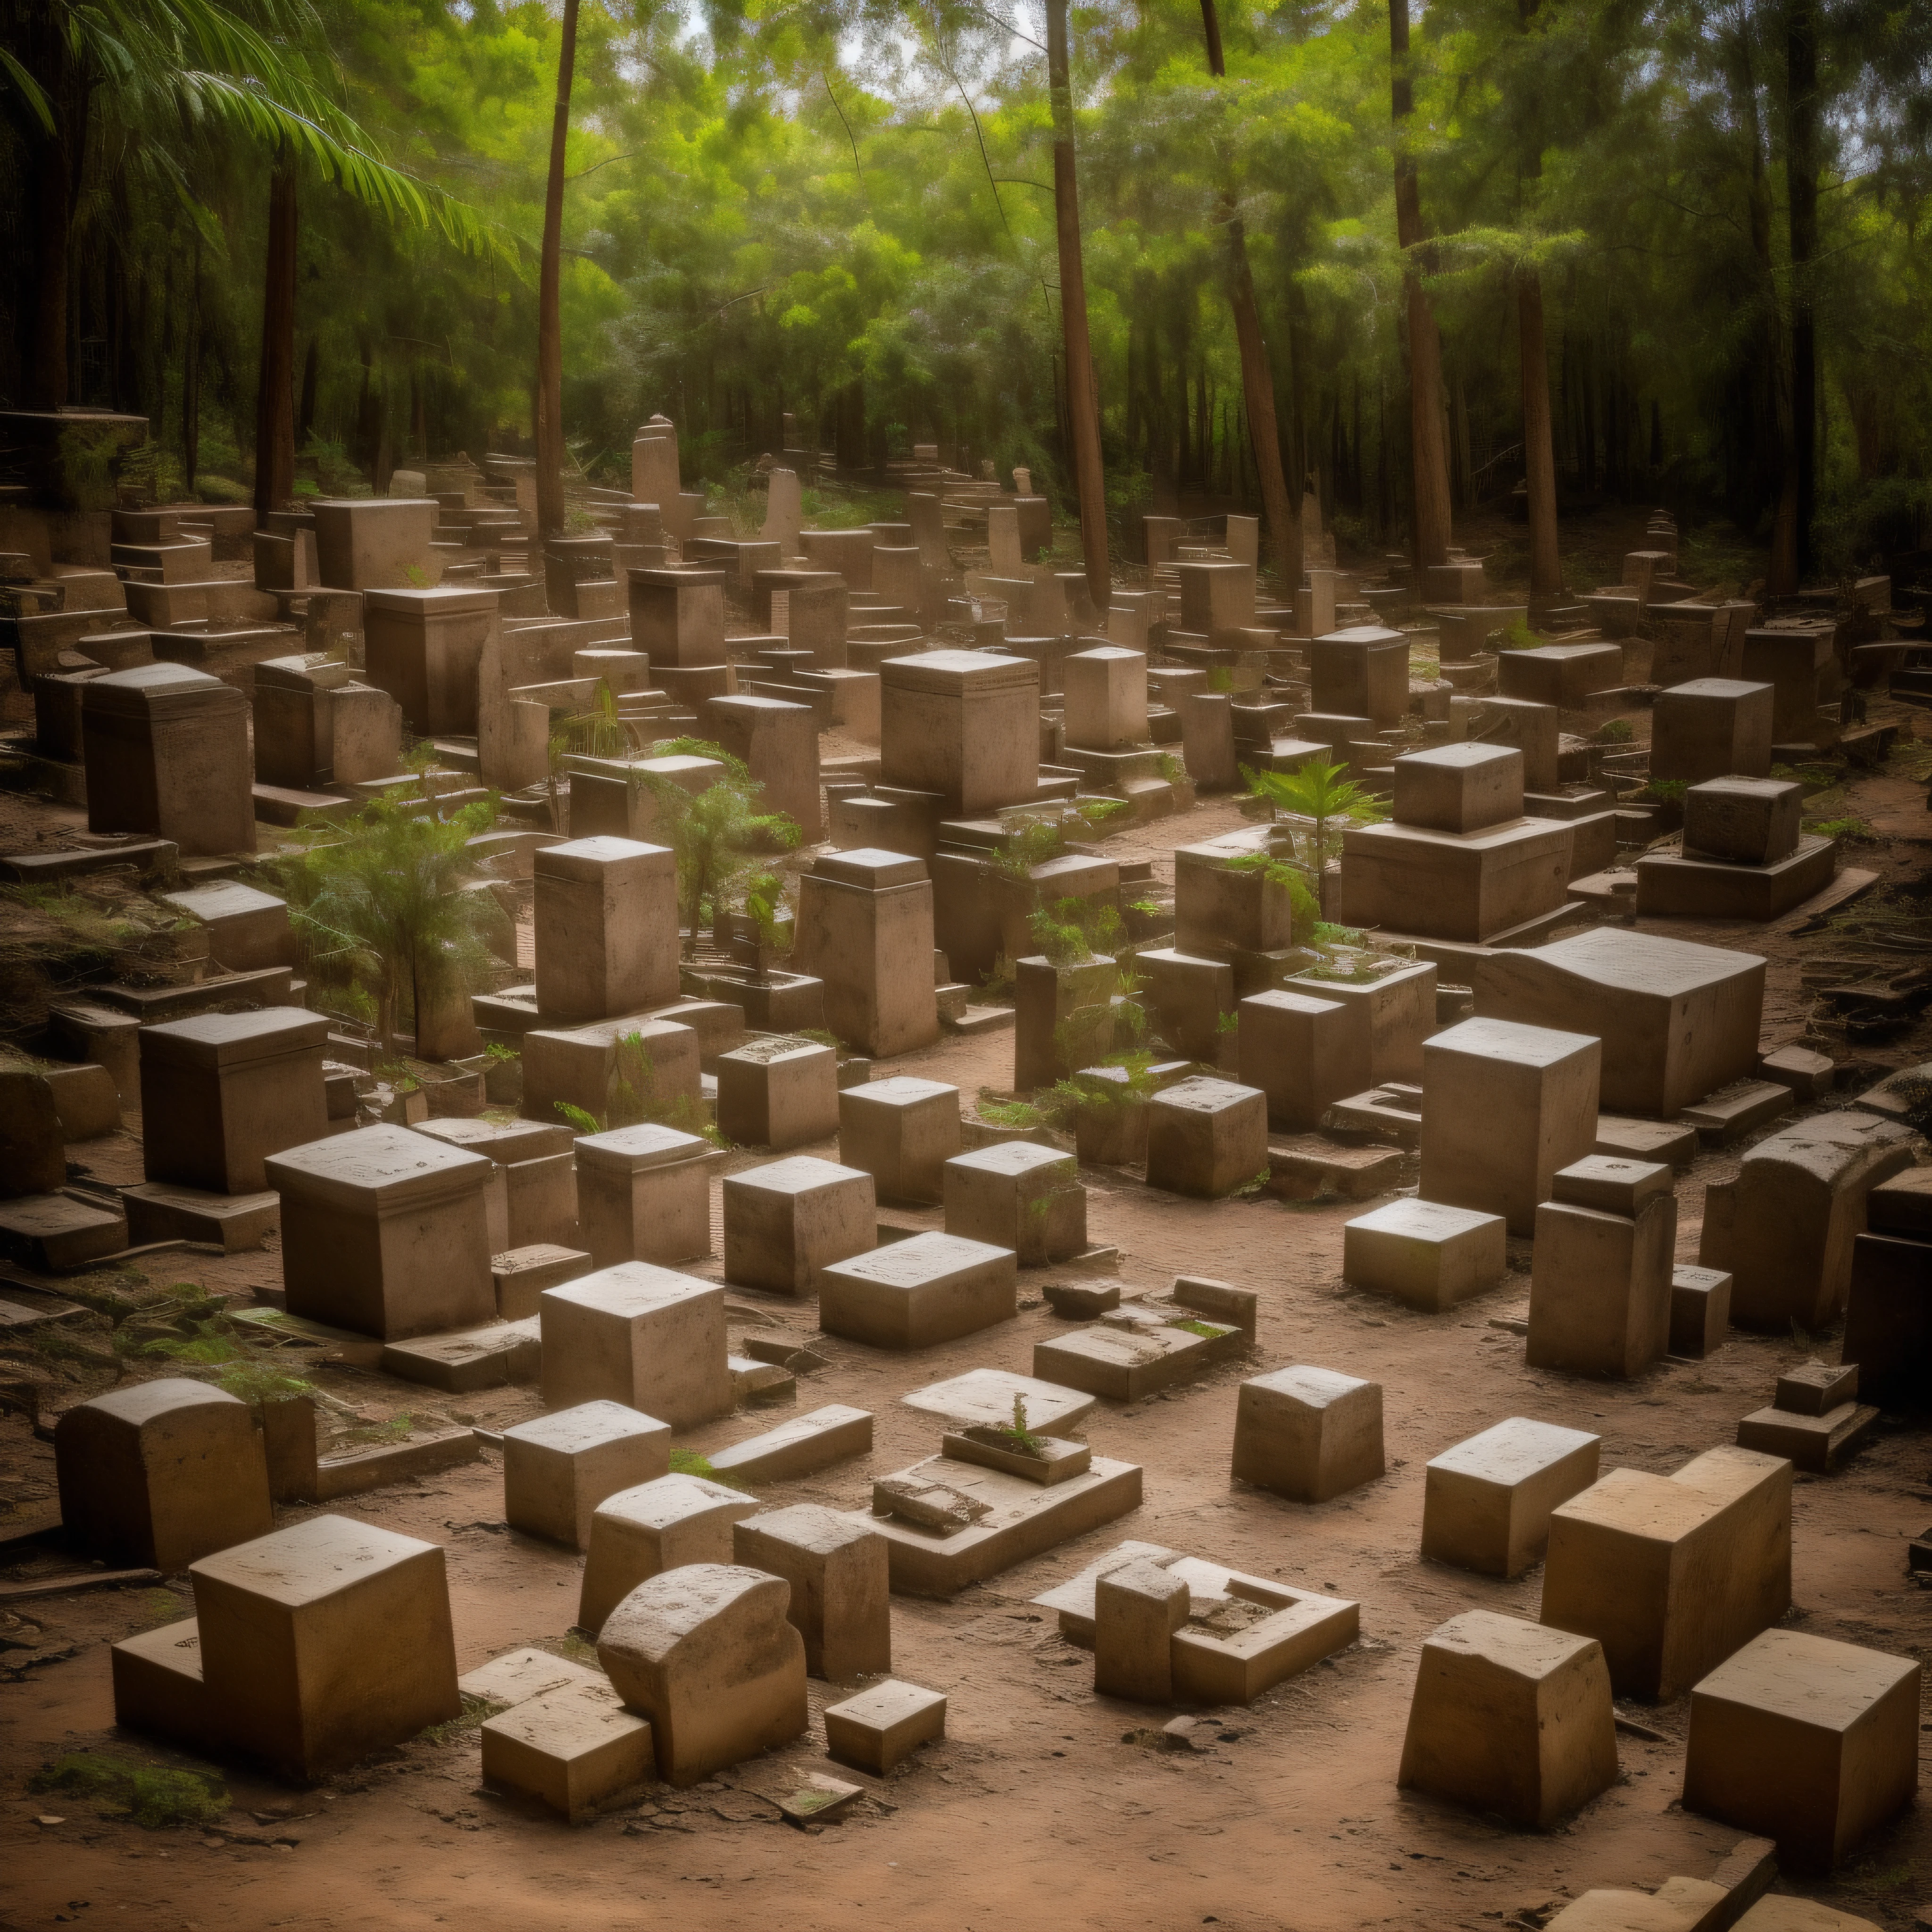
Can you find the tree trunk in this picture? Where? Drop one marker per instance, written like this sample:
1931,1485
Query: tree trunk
1427,440
1083,402
1539,455
549,324
274,392
1283,515
191,379
1801,166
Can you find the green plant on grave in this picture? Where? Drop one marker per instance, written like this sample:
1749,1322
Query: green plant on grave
375,903
1096,812
1171,769
1220,680
1664,791
1614,731
1021,1437
1074,932
1854,830
764,902
1031,842
501,1055
1288,875
1321,793
716,835
598,732
632,1097
1516,635
1228,1023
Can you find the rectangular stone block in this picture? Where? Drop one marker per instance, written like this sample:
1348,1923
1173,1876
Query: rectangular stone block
1746,821
1510,1718
1711,727
221,1093
643,1194
167,751
911,1293
1463,787
324,1642
1487,1503
642,1532
606,927
841,1589
557,1469
385,1232
883,1725
902,1132
1303,1051
1534,1091
1809,1742
778,1093
572,1749
1020,1196
1424,1253
1672,1573
963,724
641,1335
1308,1434
1206,1137
1700,1310
787,1221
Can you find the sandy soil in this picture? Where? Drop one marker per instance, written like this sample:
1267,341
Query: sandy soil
1045,1806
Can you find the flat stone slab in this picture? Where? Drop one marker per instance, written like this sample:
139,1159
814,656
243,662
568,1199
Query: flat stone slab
1022,1519
1301,1168
1734,1111
1324,1625
1817,1443
1125,1363
521,1674
1624,1138
469,1358
233,1222
796,1448
53,1233
985,1397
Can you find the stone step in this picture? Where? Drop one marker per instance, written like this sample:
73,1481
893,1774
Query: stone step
1729,1114
981,1019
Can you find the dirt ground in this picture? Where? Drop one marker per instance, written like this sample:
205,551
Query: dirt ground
1045,1806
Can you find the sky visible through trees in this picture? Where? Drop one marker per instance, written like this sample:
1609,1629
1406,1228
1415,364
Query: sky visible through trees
845,210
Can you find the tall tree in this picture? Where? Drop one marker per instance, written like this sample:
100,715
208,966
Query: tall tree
1539,455
1428,441
1800,168
275,395
1083,398
1283,512
549,321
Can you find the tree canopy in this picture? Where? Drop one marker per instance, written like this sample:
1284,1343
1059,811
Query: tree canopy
844,209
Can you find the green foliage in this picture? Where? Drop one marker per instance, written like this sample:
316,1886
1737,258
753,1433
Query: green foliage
690,1463
1665,791
1852,829
1614,731
716,834
374,902
1319,794
1074,931
156,1797
584,1123
1516,635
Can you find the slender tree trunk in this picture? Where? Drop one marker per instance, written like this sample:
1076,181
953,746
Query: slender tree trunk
1427,439
1283,514
1801,165
1083,402
549,324
274,393
191,378
1539,455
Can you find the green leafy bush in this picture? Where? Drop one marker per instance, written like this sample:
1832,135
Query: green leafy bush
155,1796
